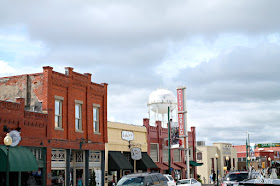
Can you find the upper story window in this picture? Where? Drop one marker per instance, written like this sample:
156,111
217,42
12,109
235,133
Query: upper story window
177,155
96,127
78,115
154,152
58,112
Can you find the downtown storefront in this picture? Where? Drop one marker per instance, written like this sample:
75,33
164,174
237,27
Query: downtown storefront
122,140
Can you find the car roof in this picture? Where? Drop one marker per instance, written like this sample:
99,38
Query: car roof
142,174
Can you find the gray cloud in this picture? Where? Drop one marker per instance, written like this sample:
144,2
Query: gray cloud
124,43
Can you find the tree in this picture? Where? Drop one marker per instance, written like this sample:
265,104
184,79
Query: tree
92,179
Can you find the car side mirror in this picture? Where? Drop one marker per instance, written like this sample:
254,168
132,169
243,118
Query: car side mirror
228,179
148,184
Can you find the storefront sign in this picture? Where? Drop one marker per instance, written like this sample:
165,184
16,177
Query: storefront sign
269,145
180,99
127,135
16,138
136,153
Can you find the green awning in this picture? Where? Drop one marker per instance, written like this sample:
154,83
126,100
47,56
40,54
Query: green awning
118,161
145,162
20,159
193,163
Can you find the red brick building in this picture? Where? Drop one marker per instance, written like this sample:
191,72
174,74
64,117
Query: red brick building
63,121
156,136
259,156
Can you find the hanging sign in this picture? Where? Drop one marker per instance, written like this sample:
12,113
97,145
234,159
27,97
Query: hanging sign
127,135
136,153
180,99
16,138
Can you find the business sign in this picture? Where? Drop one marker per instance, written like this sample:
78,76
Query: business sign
269,145
127,135
136,153
16,138
180,99
175,141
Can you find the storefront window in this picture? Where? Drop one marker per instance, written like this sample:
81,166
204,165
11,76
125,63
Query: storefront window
58,177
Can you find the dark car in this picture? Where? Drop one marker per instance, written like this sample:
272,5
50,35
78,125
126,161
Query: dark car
145,179
233,178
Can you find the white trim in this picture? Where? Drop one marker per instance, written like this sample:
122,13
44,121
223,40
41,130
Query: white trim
59,97
79,102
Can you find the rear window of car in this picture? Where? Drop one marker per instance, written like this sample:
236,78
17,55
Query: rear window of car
237,176
170,178
148,179
183,182
161,178
155,179
131,181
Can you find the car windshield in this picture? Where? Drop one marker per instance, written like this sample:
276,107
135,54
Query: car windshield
183,182
238,177
131,181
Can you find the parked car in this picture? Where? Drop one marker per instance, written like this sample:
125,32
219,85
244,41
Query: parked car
188,182
171,181
146,179
233,178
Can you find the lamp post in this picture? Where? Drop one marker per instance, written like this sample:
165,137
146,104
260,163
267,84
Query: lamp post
269,159
169,153
7,141
227,158
217,156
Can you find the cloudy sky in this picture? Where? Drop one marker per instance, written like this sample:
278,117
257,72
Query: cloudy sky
227,54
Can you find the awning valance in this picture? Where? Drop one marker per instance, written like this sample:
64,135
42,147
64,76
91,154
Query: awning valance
118,161
180,164
161,166
193,163
20,159
145,162
173,166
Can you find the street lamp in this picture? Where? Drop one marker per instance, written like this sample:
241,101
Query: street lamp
217,156
7,141
269,159
227,158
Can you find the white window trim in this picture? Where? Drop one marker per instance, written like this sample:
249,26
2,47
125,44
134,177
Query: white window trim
80,103
60,99
97,106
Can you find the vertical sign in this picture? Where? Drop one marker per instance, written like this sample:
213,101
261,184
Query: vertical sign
180,112
182,122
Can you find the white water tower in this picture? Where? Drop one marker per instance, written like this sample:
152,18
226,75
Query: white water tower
159,101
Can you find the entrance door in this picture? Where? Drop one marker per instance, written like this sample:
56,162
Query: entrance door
79,177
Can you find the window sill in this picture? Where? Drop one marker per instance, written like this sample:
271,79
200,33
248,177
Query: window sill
58,128
79,131
98,133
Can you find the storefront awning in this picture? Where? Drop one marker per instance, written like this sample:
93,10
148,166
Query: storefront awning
161,166
118,161
20,159
145,162
173,166
193,163
180,164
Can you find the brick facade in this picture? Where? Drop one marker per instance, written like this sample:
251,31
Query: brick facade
156,134
34,110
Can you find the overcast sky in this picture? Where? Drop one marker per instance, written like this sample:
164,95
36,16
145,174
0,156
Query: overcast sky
225,52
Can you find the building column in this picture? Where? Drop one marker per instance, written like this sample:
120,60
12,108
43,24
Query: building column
68,157
106,165
86,167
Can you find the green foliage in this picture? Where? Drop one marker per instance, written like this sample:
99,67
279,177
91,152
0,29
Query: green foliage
92,179
199,178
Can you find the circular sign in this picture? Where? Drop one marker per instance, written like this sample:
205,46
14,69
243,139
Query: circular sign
136,153
16,137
